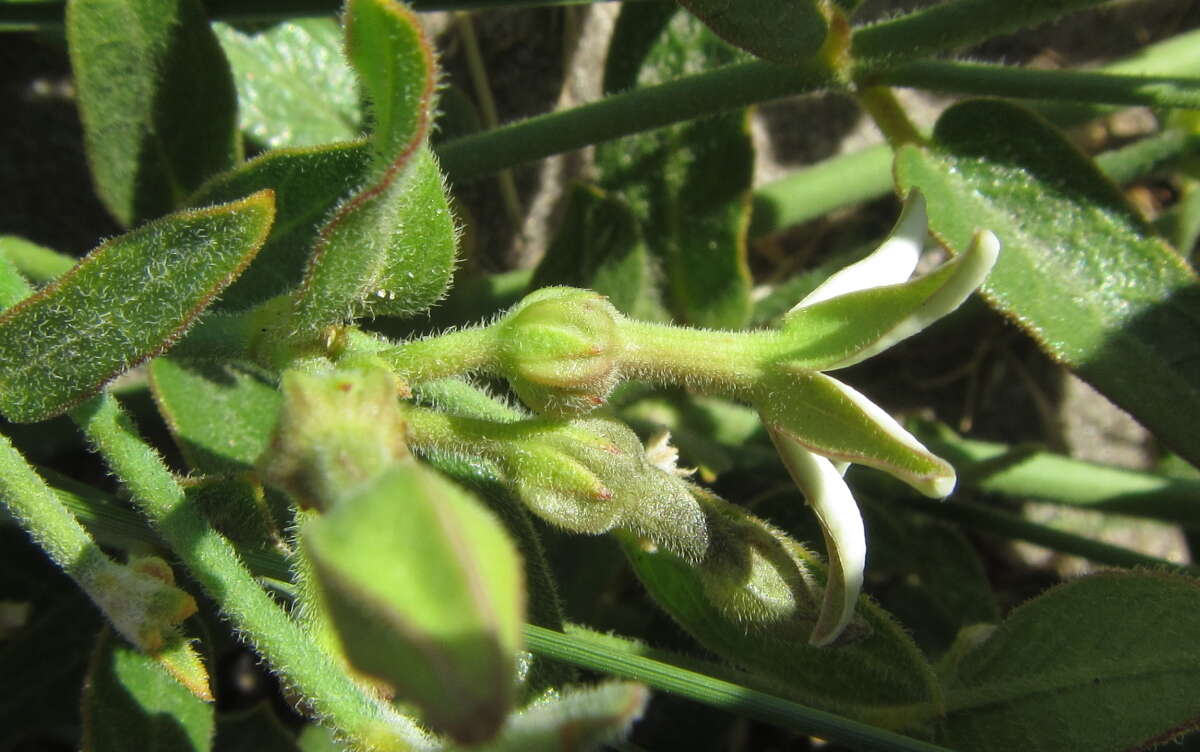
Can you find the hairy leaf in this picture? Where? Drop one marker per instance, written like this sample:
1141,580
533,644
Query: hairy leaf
157,101
129,299
388,249
293,83
308,183
130,702
1107,662
783,31
1079,270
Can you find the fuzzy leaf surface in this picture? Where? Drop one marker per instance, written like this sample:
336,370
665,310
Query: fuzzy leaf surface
308,183
688,185
293,83
128,300
782,31
388,249
1106,662
221,415
1080,271
130,702
157,101
871,677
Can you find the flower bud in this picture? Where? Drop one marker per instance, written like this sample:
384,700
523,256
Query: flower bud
336,431
560,348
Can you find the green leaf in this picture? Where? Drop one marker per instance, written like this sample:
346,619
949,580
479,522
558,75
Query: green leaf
308,183
220,415
13,287
1067,234
782,31
878,675
130,702
38,263
129,299
293,83
255,730
688,185
1107,662
426,594
156,98
389,249
599,246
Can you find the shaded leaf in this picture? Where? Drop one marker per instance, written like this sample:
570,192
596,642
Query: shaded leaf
688,185
1068,236
308,183
294,86
255,730
389,249
1107,662
130,702
599,246
221,415
782,31
426,594
877,674
156,98
129,299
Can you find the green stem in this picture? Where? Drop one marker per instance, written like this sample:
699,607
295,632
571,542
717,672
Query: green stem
716,693
950,25
1147,155
718,362
1054,478
442,355
890,116
979,79
215,564
629,112
995,522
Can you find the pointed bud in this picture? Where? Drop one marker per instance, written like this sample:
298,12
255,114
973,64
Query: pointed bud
426,594
592,475
560,349
336,431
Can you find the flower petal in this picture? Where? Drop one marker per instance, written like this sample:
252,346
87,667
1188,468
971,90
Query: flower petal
892,263
850,328
842,526
829,418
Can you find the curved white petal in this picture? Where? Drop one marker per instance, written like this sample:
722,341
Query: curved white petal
936,487
892,263
973,266
842,526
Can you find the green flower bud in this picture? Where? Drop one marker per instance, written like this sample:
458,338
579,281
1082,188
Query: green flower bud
426,594
592,476
336,431
560,348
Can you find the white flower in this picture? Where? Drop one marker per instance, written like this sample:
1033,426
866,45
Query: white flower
859,312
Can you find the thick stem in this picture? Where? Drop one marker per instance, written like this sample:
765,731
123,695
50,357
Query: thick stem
629,112
950,25
978,79
212,560
716,362
443,355
889,115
